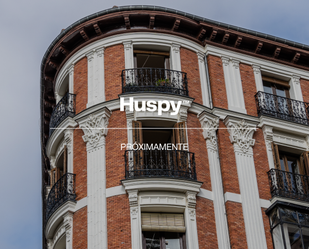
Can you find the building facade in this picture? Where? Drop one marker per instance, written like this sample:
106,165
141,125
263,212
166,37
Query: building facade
233,101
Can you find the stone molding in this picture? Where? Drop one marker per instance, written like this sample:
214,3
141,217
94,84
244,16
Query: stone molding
94,127
210,124
241,133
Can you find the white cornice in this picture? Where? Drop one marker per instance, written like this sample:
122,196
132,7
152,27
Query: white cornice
265,65
58,135
162,184
286,126
223,113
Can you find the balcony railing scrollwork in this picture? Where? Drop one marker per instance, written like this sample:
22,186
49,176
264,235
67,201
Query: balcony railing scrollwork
287,184
283,108
159,163
64,108
62,191
154,80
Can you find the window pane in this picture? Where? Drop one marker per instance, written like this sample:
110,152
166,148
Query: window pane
152,240
305,232
280,93
303,219
294,237
172,241
268,89
288,215
277,237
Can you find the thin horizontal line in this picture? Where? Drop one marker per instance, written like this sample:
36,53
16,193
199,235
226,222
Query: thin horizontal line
153,128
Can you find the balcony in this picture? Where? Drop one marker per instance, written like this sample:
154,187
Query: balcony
154,80
64,108
289,185
159,163
282,108
62,191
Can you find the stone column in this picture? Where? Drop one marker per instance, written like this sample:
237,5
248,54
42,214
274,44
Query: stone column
128,54
96,81
175,57
135,214
258,78
269,136
68,140
68,224
71,79
235,96
190,221
210,124
95,130
241,133
203,79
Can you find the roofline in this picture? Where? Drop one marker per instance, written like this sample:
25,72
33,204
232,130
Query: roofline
169,10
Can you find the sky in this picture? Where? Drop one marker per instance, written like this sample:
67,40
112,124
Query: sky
26,30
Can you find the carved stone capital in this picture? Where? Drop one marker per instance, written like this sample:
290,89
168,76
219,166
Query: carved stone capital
133,198
128,45
225,60
209,125
241,133
268,136
90,56
235,64
100,51
175,48
256,69
52,162
191,199
71,69
296,79
200,57
95,128
68,138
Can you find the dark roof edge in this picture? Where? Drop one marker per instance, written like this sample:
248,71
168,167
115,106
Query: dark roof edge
168,10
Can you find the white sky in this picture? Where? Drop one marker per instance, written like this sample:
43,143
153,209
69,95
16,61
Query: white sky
26,30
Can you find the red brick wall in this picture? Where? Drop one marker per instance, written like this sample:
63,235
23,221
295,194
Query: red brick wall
80,163
227,161
305,89
236,225
217,83
80,84
189,65
113,65
115,164
206,224
249,88
118,222
80,229
269,240
197,145
261,164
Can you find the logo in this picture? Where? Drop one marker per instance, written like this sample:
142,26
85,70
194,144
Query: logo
151,105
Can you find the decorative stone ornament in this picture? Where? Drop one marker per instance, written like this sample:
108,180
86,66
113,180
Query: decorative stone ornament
209,125
95,127
241,133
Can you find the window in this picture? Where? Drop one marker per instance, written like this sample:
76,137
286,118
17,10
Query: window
60,169
291,175
163,231
164,152
289,227
151,59
276,86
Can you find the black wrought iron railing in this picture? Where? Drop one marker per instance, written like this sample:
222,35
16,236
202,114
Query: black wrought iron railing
287,184
283,108
154,80
159,163
64,108
62,191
